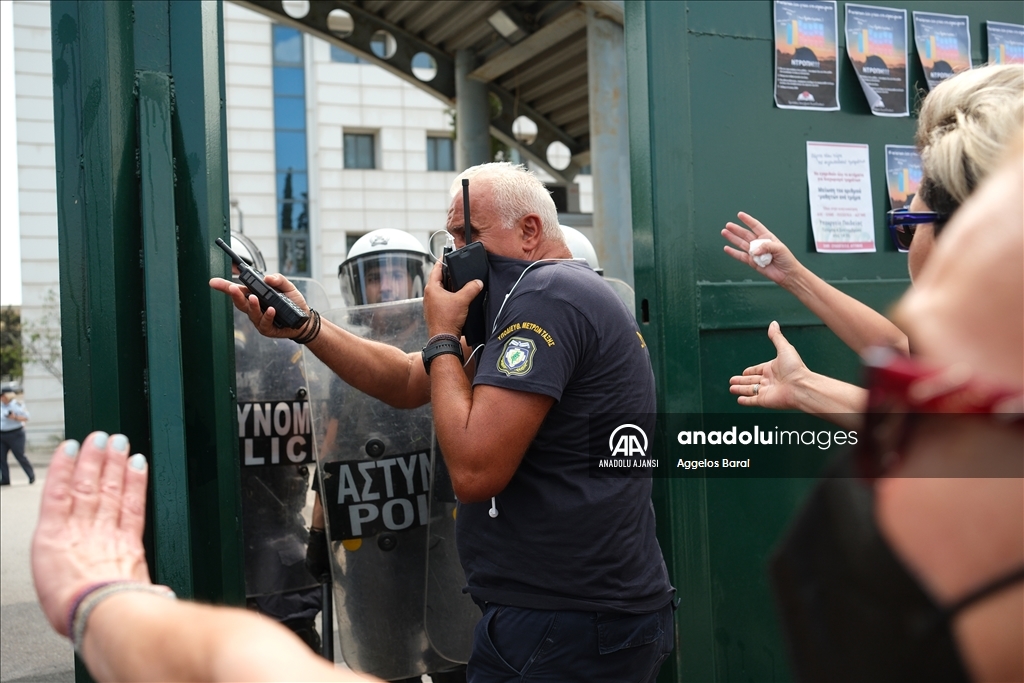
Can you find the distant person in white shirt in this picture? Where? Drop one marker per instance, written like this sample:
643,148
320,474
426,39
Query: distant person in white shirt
13,417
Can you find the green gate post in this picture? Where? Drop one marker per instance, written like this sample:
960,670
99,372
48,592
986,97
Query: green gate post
201,207
141,196
707,141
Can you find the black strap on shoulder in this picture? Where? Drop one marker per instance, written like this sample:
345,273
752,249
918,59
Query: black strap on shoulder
990,588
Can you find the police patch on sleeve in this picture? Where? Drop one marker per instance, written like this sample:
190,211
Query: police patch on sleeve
517,357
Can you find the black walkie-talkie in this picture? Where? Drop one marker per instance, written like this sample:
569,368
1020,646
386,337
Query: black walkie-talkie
463,266
286,313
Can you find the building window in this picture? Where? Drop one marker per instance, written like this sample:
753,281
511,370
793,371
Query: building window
585,170
350,241
359,150
343,56
290,152
440,154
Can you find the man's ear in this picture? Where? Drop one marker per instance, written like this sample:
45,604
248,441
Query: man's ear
532,229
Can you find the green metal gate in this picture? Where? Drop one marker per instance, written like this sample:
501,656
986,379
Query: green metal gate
141,195
707,141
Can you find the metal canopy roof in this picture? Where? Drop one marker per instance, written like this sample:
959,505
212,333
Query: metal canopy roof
532,55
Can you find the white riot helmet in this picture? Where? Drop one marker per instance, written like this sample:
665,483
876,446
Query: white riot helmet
247,249
384,265
581,247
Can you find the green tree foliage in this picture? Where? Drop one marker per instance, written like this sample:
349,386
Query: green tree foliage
41,338
11,353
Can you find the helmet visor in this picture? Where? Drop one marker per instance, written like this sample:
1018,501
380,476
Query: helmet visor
382,277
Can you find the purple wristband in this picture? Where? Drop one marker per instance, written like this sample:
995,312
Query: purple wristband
82,595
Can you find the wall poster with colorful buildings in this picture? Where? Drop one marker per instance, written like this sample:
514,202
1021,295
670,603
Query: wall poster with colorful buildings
902,174
943,45
806,73
1005,43
876,42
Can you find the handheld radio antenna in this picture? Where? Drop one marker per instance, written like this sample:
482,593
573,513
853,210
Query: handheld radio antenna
231,252
465,208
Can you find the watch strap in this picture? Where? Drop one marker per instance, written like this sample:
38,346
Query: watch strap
440,347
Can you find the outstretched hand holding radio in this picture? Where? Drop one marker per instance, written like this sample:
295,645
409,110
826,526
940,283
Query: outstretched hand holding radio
384,372
276,309
247,302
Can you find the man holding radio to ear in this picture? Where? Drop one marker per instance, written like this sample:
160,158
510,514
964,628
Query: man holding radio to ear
565,566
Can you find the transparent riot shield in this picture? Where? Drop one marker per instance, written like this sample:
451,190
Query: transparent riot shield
277,460
450,615
624,292
375,473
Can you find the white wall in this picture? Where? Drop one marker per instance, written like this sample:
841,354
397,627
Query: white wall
37,197
248,77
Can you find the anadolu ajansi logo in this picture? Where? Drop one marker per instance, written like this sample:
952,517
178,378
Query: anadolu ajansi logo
626,441
628,446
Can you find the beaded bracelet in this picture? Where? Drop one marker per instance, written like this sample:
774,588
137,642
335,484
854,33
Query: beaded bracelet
312,331
88,599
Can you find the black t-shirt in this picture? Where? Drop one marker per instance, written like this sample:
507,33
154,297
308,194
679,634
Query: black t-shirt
564,539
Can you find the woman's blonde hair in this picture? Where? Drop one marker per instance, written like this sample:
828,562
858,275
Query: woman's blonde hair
963,130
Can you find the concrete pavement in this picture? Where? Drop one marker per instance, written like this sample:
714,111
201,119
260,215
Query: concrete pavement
29,648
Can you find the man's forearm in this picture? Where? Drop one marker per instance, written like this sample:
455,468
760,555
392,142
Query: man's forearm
452,402
385,372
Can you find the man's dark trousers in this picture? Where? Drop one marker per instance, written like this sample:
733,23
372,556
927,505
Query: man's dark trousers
526,645
14,440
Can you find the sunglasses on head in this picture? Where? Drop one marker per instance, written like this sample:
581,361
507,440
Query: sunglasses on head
902,389
903,224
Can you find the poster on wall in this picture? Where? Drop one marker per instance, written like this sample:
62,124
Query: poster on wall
839,188
876,42
806,64
1005,43
943,45
902,174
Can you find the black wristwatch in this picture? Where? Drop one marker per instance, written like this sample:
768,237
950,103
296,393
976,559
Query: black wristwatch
439,345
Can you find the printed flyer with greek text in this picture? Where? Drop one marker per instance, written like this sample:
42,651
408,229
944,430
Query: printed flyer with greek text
839,188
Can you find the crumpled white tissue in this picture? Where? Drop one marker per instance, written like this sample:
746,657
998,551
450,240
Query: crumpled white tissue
760,259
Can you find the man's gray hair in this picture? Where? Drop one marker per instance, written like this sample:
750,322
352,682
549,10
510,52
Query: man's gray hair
517,192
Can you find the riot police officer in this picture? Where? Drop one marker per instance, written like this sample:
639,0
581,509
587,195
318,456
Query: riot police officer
378,534
274,471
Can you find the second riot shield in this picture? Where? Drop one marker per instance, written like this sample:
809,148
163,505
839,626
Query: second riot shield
375,474
624,292
277,461
450,615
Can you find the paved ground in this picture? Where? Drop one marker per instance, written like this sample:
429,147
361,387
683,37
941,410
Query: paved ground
29,649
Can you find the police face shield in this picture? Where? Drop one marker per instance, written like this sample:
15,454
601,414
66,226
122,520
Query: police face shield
250,253
383,277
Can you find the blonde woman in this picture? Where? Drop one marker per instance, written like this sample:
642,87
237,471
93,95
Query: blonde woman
964,127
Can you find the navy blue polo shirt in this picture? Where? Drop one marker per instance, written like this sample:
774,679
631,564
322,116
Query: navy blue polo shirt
564,539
